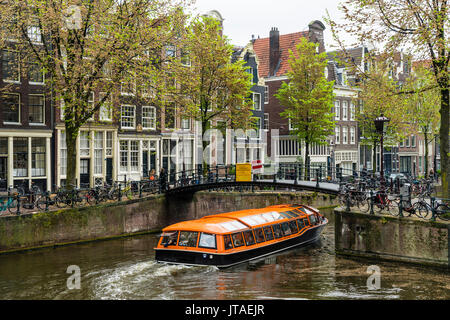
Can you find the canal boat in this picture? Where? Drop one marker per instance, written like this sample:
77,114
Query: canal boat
227,239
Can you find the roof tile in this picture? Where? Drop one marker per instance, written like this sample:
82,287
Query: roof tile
287,42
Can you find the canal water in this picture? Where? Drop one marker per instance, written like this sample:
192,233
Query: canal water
125,269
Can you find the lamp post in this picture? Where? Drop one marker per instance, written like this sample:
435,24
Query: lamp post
379,126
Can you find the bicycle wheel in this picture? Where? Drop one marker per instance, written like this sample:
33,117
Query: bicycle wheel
41,202
90,198
443,212
363,204
12,205
394,207
62,201
420,209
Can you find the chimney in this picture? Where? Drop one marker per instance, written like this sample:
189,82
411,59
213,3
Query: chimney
274,51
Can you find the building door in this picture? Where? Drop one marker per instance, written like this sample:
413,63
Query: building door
109,170
145,164
85,172
153,160
3,172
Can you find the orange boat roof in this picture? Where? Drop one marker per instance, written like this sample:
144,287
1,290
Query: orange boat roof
233,221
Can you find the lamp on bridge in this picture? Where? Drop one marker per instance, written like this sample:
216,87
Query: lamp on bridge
379,126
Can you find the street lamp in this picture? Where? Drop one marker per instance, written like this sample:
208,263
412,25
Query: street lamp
379,126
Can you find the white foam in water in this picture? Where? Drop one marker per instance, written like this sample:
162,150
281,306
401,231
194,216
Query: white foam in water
125,281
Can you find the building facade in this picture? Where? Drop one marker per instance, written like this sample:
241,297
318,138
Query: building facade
25,123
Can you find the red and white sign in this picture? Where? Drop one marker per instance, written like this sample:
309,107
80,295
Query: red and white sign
256,165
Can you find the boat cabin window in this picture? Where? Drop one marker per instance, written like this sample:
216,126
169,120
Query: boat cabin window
268,233
301,224
249,238
305,222
238,240
227,242
293,213
277,231
312,219
259,234
286,229
293,226
285,214
207,240
188,239
169,239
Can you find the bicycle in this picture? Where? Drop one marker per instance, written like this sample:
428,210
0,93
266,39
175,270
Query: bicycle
9,202
382,202
442,211
70,198
438,209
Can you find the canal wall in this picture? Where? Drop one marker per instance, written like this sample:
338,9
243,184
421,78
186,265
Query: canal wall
392,238
132,217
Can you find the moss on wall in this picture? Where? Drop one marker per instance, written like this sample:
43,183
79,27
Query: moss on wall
135,216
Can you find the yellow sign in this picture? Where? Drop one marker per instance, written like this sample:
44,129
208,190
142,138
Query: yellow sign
244,172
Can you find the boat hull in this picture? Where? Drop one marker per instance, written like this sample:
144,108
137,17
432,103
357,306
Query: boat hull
226,260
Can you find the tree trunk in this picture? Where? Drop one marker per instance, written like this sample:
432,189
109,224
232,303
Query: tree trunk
307,162
71,143
425,164
444,141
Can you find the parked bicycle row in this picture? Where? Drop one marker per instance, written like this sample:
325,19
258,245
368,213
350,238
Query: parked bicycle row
397,200
17,201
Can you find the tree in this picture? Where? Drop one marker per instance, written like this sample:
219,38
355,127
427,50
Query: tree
208,86
308,96
419,26
84,46
375,93
423,107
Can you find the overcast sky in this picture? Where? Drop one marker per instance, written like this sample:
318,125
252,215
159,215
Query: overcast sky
244,18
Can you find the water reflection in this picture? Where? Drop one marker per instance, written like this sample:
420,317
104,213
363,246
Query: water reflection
125,269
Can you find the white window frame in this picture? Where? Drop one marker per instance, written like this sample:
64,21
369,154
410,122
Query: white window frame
19,116
290,125
253,98
185,53
266,94
34,34
151,118
170,47
337,131
352,135
344,110
337,110
36,82
85,136
105,109
344,135
42,110
91,104
98,152
19,71
185,121
133,117
266,121
352,111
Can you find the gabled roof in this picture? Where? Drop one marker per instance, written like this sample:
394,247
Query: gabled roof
262,49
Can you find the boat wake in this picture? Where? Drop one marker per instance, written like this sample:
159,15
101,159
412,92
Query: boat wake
142,280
